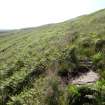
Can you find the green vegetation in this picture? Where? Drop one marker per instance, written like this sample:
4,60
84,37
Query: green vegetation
35,61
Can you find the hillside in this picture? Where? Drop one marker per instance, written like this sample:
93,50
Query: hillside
38,64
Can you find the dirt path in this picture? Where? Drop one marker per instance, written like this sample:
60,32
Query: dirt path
87,78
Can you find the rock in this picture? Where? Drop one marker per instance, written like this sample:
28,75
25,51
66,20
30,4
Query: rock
89,77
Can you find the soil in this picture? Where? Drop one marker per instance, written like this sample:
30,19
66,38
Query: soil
80,76
87,78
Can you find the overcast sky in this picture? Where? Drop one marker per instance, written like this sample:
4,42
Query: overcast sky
16,14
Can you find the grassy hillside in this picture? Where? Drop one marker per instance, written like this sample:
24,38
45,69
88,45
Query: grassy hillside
34,61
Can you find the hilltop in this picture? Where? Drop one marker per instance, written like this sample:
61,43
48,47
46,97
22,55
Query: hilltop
38,64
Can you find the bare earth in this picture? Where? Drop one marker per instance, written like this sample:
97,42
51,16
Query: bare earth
89,77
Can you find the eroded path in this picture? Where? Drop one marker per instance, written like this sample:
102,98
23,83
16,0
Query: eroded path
87,78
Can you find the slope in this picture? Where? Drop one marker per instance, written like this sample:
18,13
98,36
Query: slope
30,58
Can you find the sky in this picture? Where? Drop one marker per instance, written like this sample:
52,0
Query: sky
16,14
